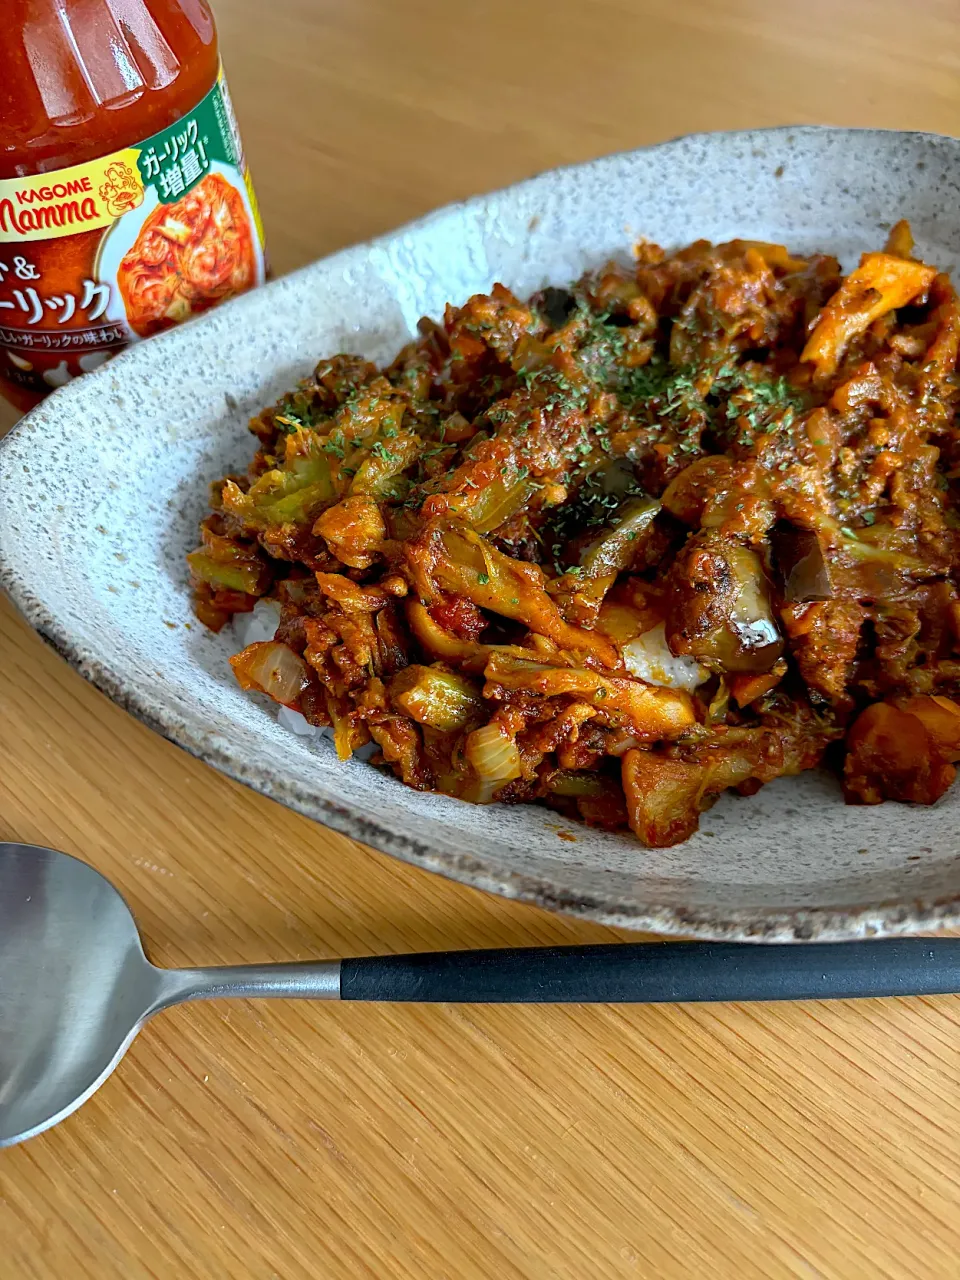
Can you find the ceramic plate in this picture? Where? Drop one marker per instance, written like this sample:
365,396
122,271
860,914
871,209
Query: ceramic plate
101,489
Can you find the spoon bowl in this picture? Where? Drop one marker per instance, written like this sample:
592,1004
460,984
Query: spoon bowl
76,986
75,989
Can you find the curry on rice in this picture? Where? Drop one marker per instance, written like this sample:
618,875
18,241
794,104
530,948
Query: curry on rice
686,526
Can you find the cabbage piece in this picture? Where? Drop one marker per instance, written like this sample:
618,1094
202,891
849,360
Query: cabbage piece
648,657
460,561
492,505
881,283
436,698
579,782
386,460
495,758
249,576
292,494
353,530
652,713
272,668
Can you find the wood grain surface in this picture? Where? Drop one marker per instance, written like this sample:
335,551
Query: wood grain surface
289,1140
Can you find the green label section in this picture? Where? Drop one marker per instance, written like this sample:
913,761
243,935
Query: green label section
174,160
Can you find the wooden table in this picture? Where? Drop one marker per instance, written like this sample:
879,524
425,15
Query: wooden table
294,1141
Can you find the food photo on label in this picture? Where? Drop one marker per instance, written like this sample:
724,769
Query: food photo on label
126,206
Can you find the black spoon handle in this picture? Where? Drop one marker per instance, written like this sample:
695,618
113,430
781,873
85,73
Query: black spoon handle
648,973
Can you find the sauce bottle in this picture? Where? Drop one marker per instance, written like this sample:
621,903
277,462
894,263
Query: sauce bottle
125,202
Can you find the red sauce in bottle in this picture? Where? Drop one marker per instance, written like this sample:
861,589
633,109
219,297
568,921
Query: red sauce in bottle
125,204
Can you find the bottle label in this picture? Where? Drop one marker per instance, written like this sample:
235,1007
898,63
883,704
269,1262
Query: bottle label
98,255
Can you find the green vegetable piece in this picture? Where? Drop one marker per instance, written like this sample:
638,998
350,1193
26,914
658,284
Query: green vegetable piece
383,466
235,576
570,782
436,698
292,494
495,503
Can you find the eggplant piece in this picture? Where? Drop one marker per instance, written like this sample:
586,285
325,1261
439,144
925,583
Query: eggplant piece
718,608
688,493
615,548
618,478
800,561
858,569
555,305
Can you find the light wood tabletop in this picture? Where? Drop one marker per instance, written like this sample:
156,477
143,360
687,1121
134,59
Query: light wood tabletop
295,1140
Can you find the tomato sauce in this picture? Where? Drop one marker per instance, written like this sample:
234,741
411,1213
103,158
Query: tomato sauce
688,526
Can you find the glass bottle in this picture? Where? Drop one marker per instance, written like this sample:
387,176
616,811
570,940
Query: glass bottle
125,202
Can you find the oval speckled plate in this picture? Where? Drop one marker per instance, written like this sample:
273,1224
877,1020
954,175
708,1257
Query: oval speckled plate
101,489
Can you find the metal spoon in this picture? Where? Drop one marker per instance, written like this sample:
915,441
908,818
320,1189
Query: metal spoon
76,987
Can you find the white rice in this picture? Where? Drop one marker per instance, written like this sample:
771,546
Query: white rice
261,624
294,721
649,658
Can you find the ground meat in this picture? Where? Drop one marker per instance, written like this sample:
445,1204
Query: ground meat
618,548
